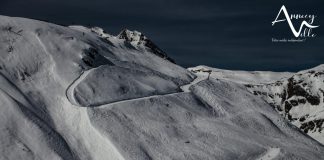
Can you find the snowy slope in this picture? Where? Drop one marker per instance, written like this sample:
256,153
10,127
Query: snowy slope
299,97
40,61
243,77
218,120
80,93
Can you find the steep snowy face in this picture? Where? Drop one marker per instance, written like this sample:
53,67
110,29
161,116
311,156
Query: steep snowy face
298,97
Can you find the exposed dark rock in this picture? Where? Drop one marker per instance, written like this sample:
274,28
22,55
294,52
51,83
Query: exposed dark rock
302,119
279,108
295,90
283,96
92,58
88,61
278,83
313,100
317,74
91,52
288,107
319,124
147,43
123,35
311,72
289,117
312,125
302,101
271,96
307,126
293,102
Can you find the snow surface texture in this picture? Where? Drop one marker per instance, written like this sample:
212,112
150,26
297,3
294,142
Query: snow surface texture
80,93
299,97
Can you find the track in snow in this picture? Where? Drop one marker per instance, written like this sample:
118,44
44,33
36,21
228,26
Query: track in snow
70,89
185,88
83,75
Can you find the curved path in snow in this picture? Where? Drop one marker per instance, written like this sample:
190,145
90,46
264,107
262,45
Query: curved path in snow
70,89
84,74
199,78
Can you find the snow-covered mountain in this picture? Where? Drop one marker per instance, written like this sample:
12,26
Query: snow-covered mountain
299,97
80,93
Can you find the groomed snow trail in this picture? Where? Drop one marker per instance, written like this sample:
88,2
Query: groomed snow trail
70,89
200,77
83,75
136,99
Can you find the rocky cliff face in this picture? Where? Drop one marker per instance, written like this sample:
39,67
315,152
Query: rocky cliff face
138,38
299,99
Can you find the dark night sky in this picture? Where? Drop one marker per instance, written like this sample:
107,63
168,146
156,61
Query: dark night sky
231,34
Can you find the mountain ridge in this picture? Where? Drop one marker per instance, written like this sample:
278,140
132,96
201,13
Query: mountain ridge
79,93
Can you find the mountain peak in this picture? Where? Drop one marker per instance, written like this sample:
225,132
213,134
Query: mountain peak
138,38
131,36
